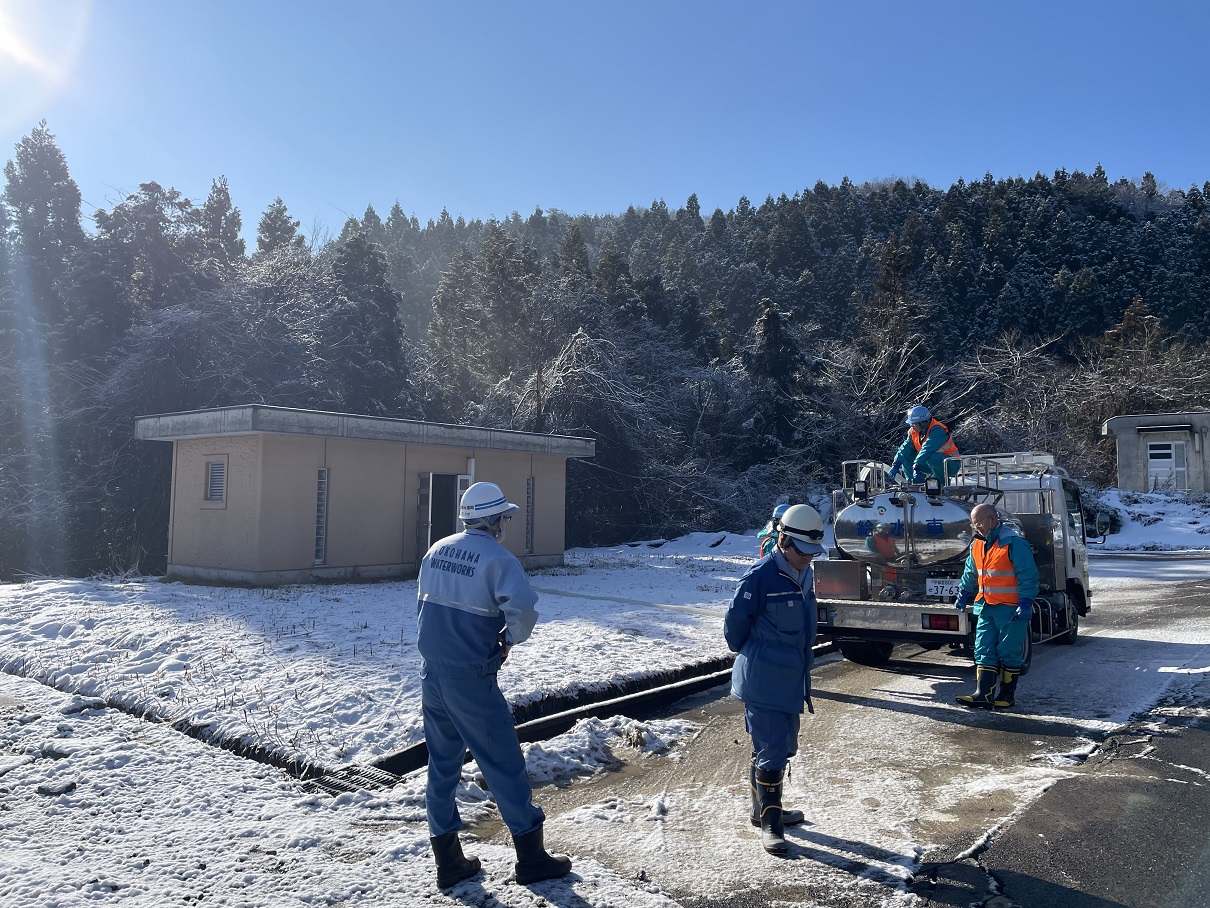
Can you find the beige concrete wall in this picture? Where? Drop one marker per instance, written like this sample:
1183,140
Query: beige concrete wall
266,530
365,502
550,505
367,510
290,464
509,470
212,533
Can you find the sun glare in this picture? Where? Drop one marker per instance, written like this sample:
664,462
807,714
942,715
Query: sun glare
40,43
18,49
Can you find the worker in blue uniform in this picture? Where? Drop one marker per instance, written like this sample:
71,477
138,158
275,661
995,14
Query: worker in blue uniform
475,605
771,625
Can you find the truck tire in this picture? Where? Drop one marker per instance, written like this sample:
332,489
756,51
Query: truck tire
867,652
1073,623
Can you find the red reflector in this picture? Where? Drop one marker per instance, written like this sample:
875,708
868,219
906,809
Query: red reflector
940,622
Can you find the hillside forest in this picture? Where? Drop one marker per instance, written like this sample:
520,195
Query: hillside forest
722,361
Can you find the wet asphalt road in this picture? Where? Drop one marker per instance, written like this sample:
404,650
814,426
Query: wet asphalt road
1127,824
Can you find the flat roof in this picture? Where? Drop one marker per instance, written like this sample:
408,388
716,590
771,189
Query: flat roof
253,419
1157,422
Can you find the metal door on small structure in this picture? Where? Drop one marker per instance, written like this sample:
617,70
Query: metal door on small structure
437,497
1166,466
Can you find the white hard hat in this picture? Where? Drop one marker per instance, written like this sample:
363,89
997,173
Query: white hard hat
802,523
483,500
918,413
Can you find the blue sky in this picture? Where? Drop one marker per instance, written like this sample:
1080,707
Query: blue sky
486,108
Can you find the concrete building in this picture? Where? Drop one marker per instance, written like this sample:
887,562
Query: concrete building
1161,450
270,495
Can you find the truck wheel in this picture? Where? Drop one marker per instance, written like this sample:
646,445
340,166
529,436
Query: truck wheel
1073,623
872,652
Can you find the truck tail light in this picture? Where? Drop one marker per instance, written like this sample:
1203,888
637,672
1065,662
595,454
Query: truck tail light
939,622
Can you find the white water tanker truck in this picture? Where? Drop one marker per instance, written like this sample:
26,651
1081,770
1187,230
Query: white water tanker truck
900,551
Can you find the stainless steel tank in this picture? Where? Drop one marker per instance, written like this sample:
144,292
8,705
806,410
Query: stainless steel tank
905,527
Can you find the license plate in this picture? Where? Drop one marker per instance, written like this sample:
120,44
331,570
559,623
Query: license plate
942,586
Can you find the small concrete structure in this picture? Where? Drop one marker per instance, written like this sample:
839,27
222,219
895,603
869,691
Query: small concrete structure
270,495
1161,450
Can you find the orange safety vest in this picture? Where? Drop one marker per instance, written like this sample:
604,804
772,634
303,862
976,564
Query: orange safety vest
885,546
886,550
949,449
997,577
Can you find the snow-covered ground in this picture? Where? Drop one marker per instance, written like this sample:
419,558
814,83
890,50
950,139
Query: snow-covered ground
1158,521
101,804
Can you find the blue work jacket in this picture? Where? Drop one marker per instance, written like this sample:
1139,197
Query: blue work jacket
474,597
771,624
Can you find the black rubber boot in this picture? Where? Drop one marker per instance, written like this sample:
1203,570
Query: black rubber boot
452,865
772,828
1006,697
984,696
788,817
534,864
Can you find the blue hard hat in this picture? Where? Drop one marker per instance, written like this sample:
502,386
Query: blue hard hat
918,413
779,510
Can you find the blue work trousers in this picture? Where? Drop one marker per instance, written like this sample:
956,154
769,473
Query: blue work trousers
999,640
471,713
774,736
936,466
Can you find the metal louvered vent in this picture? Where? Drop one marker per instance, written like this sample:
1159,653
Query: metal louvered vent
216,480
321,517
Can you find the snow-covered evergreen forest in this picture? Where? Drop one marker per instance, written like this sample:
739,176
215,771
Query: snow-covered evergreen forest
720,360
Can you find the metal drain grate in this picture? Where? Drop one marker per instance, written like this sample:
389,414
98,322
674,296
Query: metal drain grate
351,778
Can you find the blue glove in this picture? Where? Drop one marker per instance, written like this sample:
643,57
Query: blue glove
963,600
1025,608
890,477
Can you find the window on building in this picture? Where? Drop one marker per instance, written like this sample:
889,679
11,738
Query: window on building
1166,466
216,480
321,517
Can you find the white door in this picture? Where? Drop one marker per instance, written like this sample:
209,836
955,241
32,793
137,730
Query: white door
1166,468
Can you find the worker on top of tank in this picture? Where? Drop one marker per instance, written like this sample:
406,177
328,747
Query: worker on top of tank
1001,578
924,451
767,538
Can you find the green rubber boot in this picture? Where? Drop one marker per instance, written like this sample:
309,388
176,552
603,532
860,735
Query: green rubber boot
984,696
1006,697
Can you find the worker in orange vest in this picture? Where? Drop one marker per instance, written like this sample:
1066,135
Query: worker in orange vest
881,544
1001,580
767,538
924,451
